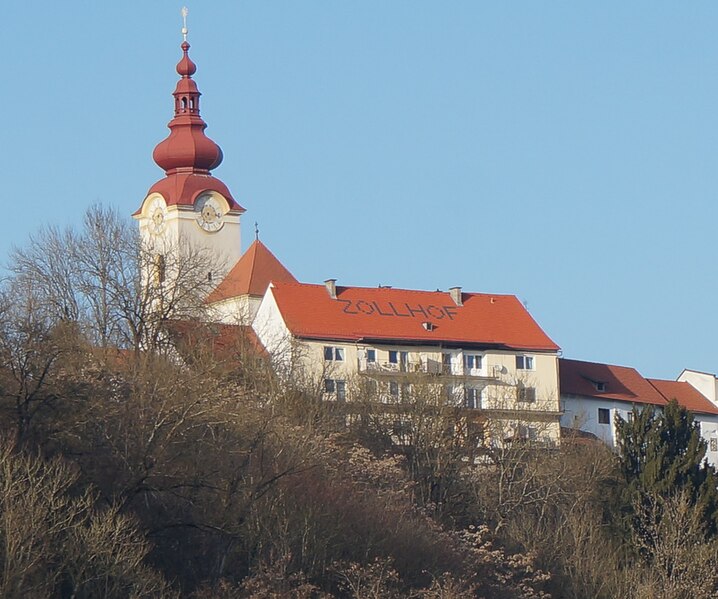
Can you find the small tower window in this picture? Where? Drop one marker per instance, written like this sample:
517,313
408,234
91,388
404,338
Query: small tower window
191,103
209,276
160,268
184,103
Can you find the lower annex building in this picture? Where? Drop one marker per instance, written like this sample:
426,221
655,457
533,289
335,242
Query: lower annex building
593,394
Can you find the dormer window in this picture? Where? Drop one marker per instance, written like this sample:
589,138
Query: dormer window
600,386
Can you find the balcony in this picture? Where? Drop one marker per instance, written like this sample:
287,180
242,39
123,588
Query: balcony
425,366
388,367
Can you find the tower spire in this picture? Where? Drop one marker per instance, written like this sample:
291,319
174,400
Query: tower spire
187,155
184,12
187,149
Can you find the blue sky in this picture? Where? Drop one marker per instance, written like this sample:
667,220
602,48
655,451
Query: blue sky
564,152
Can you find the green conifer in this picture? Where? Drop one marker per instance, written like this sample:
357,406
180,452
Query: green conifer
662,455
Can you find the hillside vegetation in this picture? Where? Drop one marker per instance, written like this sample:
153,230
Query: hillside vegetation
143,459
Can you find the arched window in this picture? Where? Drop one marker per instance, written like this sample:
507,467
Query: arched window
160,268
184,103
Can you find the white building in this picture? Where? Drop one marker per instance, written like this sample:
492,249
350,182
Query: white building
592,394
485,350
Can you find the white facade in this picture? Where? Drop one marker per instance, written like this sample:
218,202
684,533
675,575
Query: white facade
595,416
207,231
241,309
519,389
709,432
271,330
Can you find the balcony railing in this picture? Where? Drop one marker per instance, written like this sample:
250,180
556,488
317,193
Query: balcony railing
428,366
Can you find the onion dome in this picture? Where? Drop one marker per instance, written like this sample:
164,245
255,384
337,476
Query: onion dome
187,149
187,155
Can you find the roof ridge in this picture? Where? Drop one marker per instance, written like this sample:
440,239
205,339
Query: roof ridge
391,288
253,270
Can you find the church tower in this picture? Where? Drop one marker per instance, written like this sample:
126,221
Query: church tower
189,212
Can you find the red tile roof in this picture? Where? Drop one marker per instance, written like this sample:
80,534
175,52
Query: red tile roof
386,314
224,341
252,274
686,395
620,382
183,188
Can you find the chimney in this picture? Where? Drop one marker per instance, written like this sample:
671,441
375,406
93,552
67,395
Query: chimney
331,285
455,293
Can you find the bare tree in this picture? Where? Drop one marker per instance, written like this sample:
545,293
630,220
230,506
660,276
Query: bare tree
56,543
682,563
106,280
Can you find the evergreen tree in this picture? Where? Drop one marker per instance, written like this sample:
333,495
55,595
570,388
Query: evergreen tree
662,455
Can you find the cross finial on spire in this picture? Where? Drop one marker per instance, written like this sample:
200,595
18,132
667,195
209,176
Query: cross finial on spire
256,230
185,12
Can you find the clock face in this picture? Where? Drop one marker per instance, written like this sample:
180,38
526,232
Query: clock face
209,213
157,214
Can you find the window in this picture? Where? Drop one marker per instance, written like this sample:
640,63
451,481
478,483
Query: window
400,358
472,398
714,444
401,427
475,432
450,393
527,432
524,363
160,268
338,387
371,387
371,355
396,357
600,386
604,416
333,354
446,363
394,389
473,361
526,394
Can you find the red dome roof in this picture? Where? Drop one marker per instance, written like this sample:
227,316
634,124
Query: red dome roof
187,148
187,155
